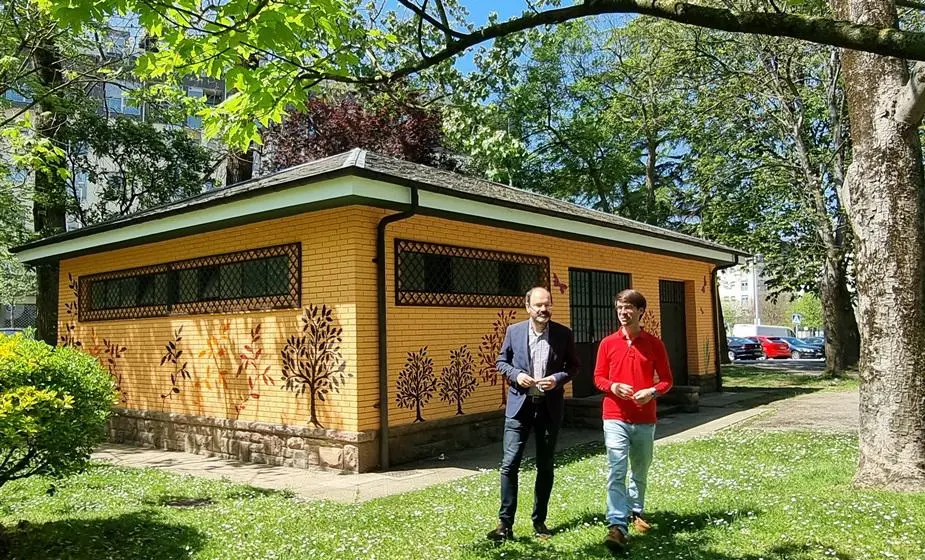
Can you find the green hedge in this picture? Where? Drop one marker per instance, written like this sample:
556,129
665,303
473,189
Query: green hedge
54,404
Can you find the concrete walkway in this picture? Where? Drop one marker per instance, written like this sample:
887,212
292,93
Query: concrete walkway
717,411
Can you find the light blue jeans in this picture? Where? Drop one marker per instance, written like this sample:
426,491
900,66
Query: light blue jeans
629,446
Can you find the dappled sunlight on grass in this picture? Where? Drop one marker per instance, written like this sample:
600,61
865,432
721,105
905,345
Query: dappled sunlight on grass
738,495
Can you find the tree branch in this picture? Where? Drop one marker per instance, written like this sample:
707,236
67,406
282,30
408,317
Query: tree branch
910,105
443,27
836,33
911,4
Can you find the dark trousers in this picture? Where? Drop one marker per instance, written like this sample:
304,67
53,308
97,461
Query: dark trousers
532,417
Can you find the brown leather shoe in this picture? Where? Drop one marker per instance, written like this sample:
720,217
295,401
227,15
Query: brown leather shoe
615,539
501,533
639,524
541,531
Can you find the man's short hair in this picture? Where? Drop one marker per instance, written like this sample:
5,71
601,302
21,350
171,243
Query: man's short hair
631,297
530,293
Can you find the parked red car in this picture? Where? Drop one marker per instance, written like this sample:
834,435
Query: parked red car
772,346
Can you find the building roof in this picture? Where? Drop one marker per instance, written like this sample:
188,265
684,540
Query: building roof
296,187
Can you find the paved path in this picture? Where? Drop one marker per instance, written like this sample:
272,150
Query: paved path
827,411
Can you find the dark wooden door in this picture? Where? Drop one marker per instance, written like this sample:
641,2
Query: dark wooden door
674,327
591,294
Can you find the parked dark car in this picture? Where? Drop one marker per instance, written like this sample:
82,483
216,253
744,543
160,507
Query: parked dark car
817,341
772,346
744,349
9,331
800,349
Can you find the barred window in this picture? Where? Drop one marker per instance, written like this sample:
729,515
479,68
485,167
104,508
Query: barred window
257,279
591,297
446,275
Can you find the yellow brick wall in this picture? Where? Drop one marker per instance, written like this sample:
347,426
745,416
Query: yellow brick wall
212,344
443,329
338,270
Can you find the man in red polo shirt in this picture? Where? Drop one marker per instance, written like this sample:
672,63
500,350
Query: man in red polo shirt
632,369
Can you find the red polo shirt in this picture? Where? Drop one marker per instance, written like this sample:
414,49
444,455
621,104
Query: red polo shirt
635,363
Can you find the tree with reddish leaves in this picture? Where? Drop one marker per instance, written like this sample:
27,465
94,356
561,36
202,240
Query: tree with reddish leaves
489,349
332,125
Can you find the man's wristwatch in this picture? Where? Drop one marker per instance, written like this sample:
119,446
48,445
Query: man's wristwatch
654,392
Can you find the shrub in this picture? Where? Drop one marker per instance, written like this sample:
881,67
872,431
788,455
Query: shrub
54,403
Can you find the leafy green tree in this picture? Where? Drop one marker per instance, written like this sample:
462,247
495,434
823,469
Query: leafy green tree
773,186
810,309
54,404
581,118
134,164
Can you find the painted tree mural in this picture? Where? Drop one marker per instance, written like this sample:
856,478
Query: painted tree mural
251,368
652,322
416,382
489,349
69,336
218,356
457,381
111,357
312,362
109,353
173,357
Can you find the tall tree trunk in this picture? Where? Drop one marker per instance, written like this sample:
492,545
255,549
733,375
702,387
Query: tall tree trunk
842,340
50,196
884,202
651,179
240,166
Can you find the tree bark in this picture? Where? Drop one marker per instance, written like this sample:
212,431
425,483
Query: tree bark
46,303
240,166
842,340
50,198
884,187
651,179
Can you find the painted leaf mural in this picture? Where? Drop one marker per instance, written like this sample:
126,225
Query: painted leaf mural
489,349
312,361
111,358
173,358
416,382
457,380
252,370
69,337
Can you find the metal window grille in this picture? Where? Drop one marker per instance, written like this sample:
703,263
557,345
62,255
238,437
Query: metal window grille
670,291
451,276
591,296
253,280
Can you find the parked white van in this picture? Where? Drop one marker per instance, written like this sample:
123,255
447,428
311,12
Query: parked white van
740,329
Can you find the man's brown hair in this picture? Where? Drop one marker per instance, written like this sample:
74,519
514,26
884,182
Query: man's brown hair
631,297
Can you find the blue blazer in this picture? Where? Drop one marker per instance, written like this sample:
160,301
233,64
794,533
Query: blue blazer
515,359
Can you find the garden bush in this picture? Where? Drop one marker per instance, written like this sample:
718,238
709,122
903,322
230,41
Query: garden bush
54,404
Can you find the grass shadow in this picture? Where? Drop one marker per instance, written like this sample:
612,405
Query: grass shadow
131,536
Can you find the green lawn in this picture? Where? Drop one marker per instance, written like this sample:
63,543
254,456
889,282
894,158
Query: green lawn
748,376
742,495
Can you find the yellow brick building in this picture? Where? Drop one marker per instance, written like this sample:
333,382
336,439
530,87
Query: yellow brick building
267,321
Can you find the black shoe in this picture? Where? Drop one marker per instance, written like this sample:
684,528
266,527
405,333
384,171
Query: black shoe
501,533
541,531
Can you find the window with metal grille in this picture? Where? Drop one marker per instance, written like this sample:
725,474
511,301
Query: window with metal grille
591,294
253,280
446,275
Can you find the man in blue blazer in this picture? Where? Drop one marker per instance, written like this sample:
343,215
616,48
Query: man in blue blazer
537,358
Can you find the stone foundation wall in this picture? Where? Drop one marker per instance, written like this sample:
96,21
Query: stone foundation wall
253,442
424,440
706,382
